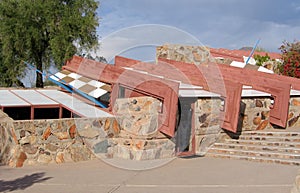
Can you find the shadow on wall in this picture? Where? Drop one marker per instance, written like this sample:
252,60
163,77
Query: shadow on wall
23,182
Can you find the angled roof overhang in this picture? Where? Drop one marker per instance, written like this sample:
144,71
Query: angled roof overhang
47,98
227,81
164,90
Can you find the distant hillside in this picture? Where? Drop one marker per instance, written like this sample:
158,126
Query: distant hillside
249,48
246,48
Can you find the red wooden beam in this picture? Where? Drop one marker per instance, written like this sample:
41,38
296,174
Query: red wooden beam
242,72
165,90
209,77
231,112
278,86
269,83
189,74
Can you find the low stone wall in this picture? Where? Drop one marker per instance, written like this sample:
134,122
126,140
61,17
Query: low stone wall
33,142
138,116
133,133
139,138
51,141
257,110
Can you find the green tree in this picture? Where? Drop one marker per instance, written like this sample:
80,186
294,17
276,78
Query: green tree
43,32
260,60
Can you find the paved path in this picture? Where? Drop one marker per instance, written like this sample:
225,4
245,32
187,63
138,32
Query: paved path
205,175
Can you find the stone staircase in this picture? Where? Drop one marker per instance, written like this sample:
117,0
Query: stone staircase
260,146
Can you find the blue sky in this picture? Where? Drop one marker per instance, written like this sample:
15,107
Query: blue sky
133,28
216,23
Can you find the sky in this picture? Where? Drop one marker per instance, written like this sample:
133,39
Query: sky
133,28
129,24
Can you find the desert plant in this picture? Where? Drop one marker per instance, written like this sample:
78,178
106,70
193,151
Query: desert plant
291,59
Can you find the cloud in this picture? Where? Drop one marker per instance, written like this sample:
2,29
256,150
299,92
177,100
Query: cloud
137,37
228,24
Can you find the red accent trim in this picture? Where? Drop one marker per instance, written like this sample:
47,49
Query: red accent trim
165,90
222,79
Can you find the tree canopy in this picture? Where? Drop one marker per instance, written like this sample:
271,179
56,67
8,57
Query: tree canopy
42,32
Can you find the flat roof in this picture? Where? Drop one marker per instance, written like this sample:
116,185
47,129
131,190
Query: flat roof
75,104
33,97
9,99
47,97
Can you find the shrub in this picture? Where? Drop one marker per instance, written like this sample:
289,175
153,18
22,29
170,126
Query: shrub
260,60
290,58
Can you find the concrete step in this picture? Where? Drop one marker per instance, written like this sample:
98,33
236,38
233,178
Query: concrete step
270,133
264,143
258,148
254,158
270,138
255,153
262,146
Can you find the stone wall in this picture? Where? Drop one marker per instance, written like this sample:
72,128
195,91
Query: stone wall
199,55
257,110
206,121
8,140
189,54
131,134
51,141
138,116
139,138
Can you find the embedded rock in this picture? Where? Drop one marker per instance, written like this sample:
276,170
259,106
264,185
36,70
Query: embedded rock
61,135
256,120
52,147
80,152
21,158
30,149
89,133
47,133
296,102
44,158
72,131
293,121
101,147
59,158
259,103
263,125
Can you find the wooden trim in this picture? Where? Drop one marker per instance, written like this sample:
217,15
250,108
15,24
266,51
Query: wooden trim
269,83
184,72
148,85
278,86
218,78
207,76
230,115
161,91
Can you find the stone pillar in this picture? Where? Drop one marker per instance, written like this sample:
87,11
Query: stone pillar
8,141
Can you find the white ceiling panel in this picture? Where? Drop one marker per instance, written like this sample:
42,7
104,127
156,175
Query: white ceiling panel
9,99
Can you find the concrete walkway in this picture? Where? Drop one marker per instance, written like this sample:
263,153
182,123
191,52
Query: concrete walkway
205,175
